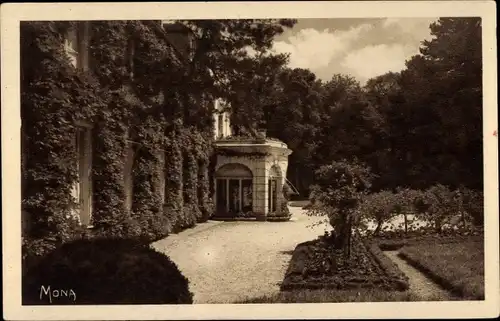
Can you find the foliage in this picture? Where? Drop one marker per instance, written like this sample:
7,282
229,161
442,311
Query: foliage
107,271
438,205
436,210
473,205
190,176
315,265
54,96
437,98
174,200
340,188
129,92
379,207
205,201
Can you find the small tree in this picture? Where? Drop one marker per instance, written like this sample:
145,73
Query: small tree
473,206
438,204
339,189
379,207
408,200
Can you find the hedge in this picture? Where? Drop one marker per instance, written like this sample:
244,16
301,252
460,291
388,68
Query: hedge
105,271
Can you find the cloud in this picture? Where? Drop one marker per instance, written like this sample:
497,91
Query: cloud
416,28
375,60
313,49
363,48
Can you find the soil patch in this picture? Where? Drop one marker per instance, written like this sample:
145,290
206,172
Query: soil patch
317,265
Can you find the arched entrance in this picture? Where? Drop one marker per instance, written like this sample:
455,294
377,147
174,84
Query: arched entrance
233,189
275,189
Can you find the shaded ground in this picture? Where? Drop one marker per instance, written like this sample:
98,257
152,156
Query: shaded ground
228,262
421,286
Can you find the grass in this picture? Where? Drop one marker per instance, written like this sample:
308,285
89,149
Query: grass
332,296
458,267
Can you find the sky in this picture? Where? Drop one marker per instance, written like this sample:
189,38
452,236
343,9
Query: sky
362,48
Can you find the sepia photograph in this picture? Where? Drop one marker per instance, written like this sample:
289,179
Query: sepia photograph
252,161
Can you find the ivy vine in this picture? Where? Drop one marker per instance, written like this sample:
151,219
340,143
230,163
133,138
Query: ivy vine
133,90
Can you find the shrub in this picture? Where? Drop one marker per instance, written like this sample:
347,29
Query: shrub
378,207
438,204
473,205
105,271
340,187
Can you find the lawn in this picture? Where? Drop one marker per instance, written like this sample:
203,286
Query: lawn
457,266
333,295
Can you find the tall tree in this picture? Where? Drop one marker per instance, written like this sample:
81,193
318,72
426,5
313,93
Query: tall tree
227,50
297,103
442,93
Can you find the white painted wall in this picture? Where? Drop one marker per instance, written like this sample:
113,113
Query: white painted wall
226,125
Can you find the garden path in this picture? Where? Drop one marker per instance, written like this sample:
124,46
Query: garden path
420,285
229,262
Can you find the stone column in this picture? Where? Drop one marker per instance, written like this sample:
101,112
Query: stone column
260,189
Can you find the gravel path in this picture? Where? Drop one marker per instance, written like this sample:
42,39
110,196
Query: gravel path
227,262
420,285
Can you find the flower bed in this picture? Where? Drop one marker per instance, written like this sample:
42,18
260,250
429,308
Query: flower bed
316,265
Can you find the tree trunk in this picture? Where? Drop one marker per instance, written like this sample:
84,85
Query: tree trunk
342,232
378,228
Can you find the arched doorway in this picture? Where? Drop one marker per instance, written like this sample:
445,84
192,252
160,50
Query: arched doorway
275,188
233,189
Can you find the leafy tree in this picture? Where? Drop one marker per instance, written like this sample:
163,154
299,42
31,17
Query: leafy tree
442,94
227,50
379,207
296,102
351,127
339,189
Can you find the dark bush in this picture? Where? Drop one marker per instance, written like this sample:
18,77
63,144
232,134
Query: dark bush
105,271
473,205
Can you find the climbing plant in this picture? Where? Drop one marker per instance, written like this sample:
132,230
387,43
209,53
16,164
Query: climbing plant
132,92
54,95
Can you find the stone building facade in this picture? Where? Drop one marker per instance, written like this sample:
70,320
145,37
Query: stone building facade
249,173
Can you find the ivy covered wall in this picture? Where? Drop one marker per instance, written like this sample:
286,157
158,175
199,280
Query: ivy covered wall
134,89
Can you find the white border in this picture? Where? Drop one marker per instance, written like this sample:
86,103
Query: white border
12,13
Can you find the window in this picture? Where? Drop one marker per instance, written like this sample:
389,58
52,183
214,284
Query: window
221,126
234,189
82,190
71,46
